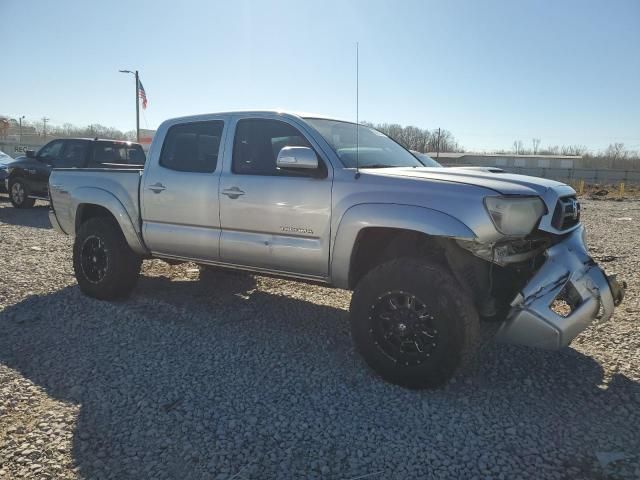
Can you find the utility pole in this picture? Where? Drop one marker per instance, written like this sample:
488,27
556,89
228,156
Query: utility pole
20,123
438,146
44,126
135,73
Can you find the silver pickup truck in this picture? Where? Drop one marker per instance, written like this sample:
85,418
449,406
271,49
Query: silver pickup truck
428,252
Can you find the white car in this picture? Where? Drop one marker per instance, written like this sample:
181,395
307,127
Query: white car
5,160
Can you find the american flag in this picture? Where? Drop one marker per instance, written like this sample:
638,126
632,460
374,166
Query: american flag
142,95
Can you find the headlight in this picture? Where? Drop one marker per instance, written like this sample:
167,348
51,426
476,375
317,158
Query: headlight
515,215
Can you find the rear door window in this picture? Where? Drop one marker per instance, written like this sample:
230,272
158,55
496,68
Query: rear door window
192,147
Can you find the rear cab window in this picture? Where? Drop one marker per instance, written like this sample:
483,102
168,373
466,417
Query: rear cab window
106,154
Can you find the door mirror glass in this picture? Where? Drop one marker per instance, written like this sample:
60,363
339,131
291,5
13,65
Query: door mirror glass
30,153
303,158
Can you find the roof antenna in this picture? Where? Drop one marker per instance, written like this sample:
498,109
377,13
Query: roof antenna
357,117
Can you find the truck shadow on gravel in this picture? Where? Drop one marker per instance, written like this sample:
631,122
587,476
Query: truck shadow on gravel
36,217
216,378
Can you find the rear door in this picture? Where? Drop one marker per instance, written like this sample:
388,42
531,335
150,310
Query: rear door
270,218
179,192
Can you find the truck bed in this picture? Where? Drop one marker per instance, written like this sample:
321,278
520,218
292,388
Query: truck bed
67,186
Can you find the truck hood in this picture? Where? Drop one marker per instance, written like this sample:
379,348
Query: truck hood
503,183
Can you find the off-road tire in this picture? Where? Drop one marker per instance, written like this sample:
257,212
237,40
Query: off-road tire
452,308
26,202
122,265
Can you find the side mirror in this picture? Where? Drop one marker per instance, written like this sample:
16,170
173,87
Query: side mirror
30,153
297,158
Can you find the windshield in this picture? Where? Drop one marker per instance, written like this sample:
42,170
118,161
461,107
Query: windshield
426,159
375,150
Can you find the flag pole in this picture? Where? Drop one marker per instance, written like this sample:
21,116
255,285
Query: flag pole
137,109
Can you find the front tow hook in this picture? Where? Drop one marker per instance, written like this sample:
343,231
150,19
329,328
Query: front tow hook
617,289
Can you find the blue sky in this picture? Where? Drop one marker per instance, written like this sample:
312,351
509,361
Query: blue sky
490,71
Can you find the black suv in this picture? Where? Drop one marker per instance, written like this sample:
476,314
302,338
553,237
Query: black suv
28,177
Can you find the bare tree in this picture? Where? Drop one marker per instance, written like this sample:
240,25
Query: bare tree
421,140
573,149
536,144
517,146
70,130
616,152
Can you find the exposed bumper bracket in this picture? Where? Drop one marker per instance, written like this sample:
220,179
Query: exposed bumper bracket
531,320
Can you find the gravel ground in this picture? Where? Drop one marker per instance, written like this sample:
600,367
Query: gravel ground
246,377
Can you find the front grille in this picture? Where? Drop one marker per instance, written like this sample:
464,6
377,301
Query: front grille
566,213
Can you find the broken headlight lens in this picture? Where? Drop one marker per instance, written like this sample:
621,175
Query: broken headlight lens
515,215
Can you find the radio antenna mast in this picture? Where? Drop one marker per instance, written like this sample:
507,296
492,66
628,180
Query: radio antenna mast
357,115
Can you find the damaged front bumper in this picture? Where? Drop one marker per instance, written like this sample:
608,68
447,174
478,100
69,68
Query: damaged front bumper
567,269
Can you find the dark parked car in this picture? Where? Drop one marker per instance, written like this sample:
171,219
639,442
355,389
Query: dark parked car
27,178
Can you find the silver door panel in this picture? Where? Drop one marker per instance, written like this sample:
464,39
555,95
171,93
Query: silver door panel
198,243
280,222
282,253
180,210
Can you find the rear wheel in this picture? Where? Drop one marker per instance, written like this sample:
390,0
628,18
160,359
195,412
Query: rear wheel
19,194
105,266
412,323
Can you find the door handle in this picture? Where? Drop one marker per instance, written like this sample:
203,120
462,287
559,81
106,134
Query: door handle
233,192
157,187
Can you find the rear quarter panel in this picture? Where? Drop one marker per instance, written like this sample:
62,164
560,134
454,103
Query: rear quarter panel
114,189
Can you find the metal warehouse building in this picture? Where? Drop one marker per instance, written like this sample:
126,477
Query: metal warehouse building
510,160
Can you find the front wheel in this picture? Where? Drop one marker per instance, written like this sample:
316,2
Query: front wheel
412,323
105,266
19,194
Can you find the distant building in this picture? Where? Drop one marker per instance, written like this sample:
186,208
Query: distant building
146,137
10,129
509,160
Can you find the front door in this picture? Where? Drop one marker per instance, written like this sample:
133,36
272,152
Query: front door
270,218
180,193
37,174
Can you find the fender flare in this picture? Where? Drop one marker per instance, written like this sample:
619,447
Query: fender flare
386,215
96,196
